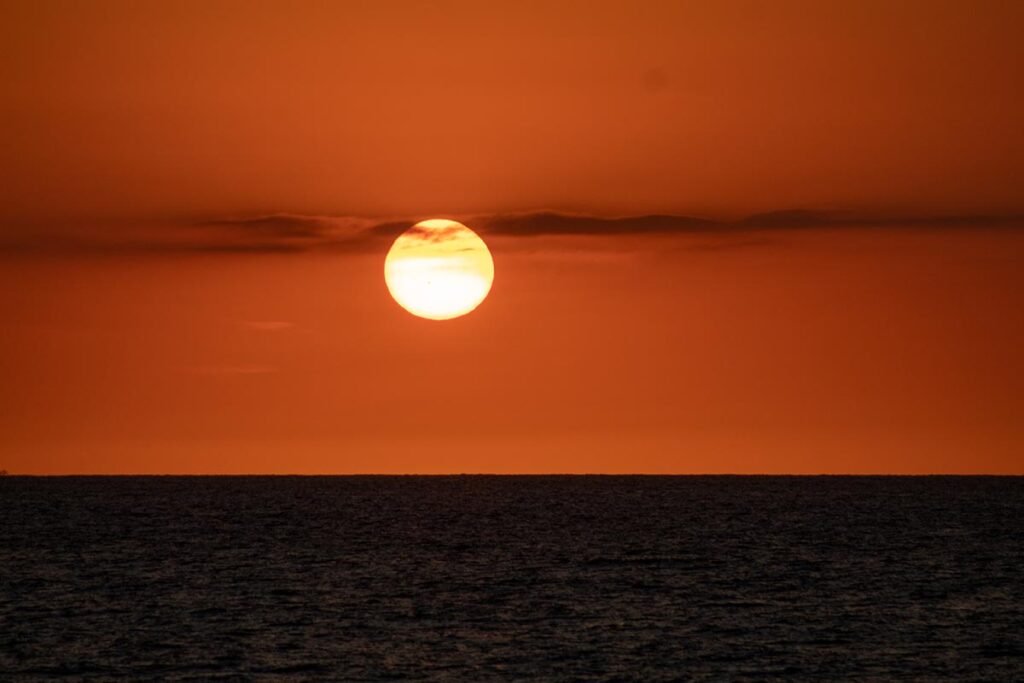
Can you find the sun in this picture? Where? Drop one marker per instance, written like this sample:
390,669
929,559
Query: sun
439,269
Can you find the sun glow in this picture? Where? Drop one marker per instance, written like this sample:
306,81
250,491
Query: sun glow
439,269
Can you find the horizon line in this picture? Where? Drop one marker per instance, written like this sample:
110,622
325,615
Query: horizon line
523,474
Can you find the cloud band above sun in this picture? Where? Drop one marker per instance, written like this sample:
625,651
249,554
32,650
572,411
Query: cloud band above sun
289,232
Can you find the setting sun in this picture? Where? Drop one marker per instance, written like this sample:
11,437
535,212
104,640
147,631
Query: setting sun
439,269
747,402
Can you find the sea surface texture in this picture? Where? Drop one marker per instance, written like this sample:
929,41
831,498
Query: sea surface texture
512,578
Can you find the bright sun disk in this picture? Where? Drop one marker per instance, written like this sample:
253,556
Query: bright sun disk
439,269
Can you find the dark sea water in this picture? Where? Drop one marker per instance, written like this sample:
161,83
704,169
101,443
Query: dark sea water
500,578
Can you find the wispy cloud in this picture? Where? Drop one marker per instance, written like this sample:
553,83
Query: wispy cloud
280,232
553,223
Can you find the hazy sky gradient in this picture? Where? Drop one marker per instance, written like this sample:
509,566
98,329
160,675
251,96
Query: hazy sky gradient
197,198
143,110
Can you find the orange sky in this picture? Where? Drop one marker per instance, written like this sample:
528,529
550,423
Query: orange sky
191,255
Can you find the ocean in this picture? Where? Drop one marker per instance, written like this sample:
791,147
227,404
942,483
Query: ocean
479,578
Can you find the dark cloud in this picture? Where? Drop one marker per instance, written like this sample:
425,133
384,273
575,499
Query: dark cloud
803,219
277,225
792,218
280,232
271,233
285,233
389,229
551,223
